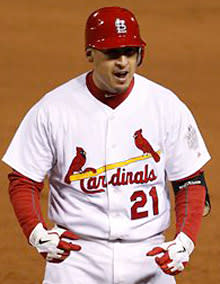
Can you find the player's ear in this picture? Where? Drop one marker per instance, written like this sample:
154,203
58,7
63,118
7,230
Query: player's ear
89,54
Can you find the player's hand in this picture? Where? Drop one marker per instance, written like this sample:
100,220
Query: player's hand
54,245
173,256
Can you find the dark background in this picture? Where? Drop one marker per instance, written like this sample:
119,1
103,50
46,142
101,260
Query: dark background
42,46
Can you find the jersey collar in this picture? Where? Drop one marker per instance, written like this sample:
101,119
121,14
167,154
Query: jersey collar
110,99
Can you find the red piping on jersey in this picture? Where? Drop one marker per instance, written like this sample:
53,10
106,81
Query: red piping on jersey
112,101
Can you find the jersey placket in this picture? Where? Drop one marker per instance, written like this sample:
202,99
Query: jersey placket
118,264
116,217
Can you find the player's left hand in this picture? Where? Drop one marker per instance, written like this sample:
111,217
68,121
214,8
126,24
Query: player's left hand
173,256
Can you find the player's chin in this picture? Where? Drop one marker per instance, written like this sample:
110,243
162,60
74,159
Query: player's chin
120,85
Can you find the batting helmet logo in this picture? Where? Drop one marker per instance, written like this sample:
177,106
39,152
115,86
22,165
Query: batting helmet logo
120,26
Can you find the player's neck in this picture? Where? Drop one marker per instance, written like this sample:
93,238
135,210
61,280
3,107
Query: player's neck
110,99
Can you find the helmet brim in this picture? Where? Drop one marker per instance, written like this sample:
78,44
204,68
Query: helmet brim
110,43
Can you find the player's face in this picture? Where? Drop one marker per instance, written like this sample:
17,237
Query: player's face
114,68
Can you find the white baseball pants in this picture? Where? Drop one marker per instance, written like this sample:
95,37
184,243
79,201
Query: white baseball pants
109,262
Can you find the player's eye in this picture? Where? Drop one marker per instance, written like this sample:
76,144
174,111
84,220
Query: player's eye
113,53
118,52
130,51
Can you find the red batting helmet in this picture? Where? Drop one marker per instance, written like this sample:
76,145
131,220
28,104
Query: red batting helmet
113,27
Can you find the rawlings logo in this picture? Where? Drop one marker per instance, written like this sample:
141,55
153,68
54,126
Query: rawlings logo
120,26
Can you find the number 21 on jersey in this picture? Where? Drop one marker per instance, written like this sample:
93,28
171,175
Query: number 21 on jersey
141,199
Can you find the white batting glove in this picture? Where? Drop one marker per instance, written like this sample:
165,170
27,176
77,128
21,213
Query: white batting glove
50,243
173,256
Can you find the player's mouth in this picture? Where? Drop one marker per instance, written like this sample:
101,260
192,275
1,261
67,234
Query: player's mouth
121,76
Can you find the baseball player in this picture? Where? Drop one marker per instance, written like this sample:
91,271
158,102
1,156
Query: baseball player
109,140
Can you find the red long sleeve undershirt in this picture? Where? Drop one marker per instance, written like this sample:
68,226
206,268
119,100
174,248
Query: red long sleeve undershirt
189,206
25,198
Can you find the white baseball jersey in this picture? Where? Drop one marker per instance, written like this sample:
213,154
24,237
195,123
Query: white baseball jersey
108,167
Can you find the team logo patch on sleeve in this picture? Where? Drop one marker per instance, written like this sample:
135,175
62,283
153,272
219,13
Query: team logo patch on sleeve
192,138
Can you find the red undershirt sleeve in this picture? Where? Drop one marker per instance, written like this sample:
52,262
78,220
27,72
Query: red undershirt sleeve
25,198
189,206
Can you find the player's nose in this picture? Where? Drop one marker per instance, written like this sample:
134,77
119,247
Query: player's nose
122,61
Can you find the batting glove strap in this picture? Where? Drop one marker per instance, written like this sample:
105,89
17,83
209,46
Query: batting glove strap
37,233
186,242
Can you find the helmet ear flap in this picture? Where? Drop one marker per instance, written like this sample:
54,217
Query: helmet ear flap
89,54
140,56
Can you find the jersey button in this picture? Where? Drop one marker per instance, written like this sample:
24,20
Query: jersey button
115,214
112,117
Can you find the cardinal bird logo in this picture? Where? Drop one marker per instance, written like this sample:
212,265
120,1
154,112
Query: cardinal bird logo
77,163
144,145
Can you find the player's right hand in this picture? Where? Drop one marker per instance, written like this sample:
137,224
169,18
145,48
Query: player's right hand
54,245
